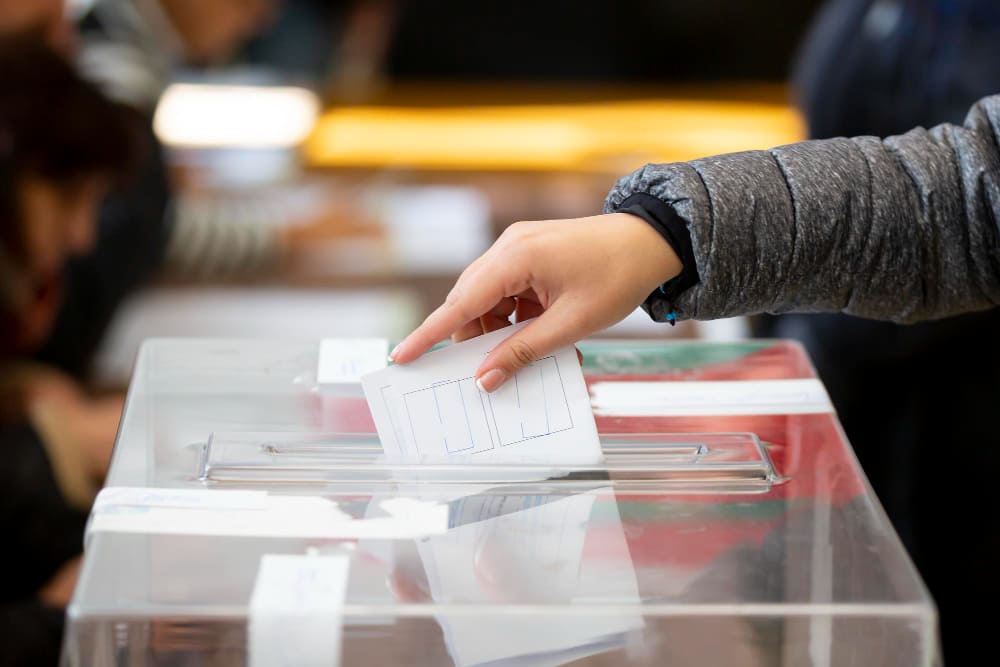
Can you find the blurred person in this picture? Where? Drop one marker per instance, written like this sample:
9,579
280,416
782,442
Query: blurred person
131,233
879,67
133,49
62,147
47,18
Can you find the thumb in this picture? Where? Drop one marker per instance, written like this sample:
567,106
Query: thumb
546,334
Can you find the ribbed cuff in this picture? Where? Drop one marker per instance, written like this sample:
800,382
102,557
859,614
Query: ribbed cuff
664,219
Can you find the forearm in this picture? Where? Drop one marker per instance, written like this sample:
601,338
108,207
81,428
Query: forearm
897,229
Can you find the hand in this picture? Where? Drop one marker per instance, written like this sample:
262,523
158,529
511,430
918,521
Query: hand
58,591
576,276
78,429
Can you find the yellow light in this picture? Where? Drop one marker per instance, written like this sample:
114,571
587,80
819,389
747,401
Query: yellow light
588,136
227,116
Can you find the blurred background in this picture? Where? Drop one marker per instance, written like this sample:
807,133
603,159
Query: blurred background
336,164
311,168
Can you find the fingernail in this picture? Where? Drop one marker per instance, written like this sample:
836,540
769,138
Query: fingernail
392,355
491,379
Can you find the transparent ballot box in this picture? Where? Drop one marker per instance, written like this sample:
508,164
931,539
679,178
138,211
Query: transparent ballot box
249,518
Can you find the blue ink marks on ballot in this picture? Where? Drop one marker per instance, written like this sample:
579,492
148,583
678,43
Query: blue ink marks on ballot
456,416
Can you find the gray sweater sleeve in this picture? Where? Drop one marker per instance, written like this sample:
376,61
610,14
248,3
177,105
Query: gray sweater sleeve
902,228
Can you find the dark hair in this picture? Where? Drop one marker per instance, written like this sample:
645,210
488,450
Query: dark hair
54,126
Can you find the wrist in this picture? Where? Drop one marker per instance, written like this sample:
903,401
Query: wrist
673,229
655,258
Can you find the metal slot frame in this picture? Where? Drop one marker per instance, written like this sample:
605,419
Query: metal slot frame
353,463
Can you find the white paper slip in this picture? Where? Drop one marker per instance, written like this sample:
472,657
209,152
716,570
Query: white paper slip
296,611
342,361
431,410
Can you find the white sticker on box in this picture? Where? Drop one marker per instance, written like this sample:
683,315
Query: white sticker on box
693,399
296,611
342,361
233,513
118,498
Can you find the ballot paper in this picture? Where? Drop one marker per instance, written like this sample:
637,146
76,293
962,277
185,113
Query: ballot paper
431,410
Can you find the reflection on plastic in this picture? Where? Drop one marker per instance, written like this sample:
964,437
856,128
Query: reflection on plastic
523,549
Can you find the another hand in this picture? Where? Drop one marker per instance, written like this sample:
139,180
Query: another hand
78,430
58,591
576,276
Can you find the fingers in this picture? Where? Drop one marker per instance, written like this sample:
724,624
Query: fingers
474,294
59,589
469,330
528,307
484,289
497,318
552,330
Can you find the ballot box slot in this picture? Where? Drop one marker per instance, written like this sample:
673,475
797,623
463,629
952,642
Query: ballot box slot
348,462
335,449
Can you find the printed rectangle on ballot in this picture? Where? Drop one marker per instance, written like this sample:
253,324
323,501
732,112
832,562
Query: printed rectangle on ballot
432,410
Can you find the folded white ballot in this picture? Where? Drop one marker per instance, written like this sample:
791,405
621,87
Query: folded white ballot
431,410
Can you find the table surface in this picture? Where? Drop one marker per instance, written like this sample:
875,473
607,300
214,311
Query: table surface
800,568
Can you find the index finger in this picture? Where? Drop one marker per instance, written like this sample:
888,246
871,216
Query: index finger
475,293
